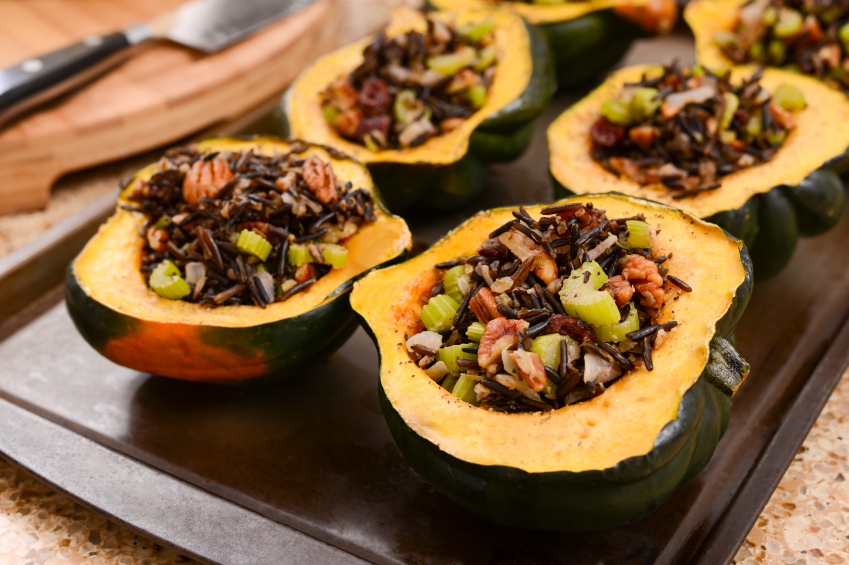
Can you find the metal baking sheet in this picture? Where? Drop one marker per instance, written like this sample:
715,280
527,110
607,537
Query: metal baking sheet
308,472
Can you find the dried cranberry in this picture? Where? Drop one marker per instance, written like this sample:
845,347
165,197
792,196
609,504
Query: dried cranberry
379,123
573,327
607,134
374,97
493,248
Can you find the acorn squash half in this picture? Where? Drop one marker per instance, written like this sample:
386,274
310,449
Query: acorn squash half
705,19
128,323
586,38
449,169
594,465
798,192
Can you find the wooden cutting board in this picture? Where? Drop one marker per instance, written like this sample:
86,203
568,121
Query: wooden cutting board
163,93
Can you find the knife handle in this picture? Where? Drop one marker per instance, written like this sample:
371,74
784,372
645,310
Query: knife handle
41,79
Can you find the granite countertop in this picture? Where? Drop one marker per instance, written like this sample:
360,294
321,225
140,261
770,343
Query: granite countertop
806,522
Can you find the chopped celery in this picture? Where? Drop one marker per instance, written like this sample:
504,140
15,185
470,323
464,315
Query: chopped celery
727,136
450,354
261,268
370,143
775,137
475,331
439,312
165,280
639,235
299,255
574,287
576,279
163,222
731,105
449,381
843,35
486,58
617,332
757,52
330,114
789,97
789,23
595,307
464,389
253,243
475,31
643,104
616,112
406,102
548,348
449,283
549,389
769,16
698,71
777,52
754,126
476,95
334,254
451,63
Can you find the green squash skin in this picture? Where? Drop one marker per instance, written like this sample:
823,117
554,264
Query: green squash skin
567,501
601,499
586,47
318,332
770,223
500,138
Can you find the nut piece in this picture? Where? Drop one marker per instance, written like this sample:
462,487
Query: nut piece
620,289
484,306
500,334
320,179
530,368
646,280
205,179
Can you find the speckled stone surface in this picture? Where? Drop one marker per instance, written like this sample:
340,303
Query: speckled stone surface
41,527
806,522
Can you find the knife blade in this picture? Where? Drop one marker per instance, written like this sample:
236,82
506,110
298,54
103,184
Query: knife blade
205,25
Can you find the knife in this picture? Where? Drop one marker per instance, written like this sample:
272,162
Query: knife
205,25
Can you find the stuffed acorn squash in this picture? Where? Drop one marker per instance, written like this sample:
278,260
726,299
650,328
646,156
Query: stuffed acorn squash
808,37
427,103
232,261
586,38
579,412
758,153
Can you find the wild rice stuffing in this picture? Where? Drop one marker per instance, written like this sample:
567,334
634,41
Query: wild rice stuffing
688,128
228,228
808,36
414,86
548,312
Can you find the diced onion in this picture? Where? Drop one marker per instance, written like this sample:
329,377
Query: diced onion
598,370
431,340
436,371
194,272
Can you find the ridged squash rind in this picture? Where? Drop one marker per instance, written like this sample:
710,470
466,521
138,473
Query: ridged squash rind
797,193
587,38
523,86
128,323
595,465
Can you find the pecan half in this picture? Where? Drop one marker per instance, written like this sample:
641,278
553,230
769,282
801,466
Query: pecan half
648,283
320,179
620,289
500,334
530,368
205,179
484,306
